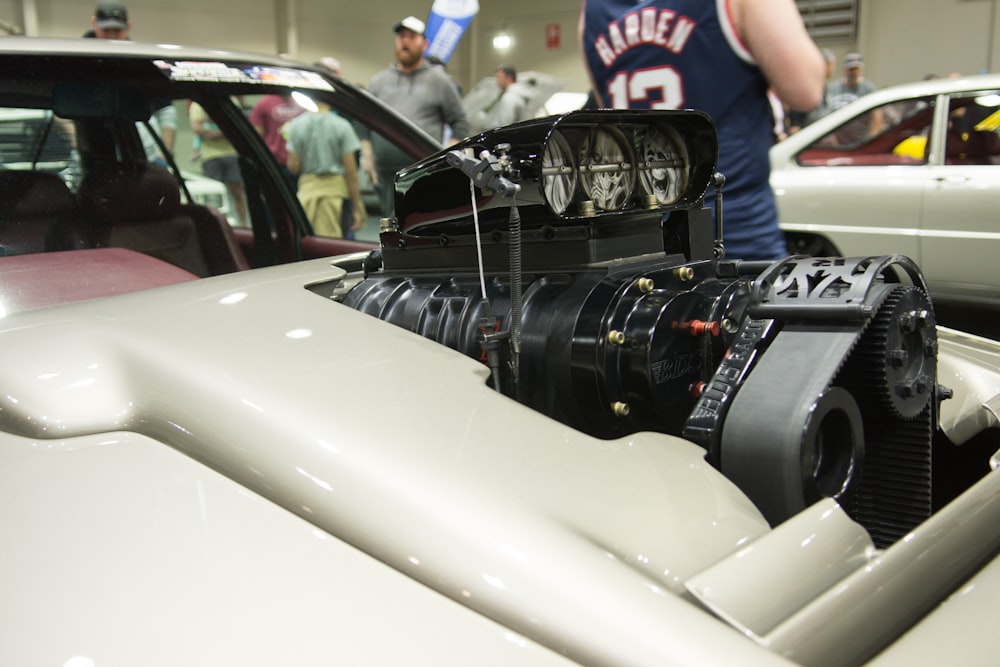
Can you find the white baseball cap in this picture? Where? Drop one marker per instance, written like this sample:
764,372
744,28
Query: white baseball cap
410,23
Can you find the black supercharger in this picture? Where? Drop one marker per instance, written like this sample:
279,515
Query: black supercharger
575,257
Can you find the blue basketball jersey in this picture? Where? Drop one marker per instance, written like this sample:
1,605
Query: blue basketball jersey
686,54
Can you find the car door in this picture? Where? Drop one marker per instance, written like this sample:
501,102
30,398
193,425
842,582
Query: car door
862,196
960,231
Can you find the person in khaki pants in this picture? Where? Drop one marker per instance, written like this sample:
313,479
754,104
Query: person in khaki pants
322,149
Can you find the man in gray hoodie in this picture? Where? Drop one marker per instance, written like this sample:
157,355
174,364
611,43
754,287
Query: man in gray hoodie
418,90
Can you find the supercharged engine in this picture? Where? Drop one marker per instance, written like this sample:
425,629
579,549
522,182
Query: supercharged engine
575,257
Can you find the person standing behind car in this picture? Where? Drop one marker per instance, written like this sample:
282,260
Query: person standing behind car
845,90
718,57
510,104
421,92
219,160
321,150
852,84
347,221
268,116
110,21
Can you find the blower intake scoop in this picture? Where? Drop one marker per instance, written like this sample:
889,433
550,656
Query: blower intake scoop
590,186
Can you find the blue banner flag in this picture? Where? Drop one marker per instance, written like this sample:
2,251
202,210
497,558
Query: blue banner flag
446,25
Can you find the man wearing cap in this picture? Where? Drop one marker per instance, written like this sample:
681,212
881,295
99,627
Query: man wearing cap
845,90
852,84
110,21
423,93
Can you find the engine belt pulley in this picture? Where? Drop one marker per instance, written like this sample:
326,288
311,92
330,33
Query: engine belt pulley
790,438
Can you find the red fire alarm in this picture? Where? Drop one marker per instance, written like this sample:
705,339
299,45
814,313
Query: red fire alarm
552,35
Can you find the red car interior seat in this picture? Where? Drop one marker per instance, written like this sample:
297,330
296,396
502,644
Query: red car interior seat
137,206
38,213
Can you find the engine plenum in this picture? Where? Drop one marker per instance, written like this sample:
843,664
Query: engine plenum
625,316
610,349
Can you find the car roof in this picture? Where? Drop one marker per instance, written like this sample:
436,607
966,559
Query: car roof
945,85
48,46
913,89
143,63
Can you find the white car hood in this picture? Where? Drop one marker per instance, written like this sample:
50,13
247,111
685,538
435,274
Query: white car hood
600,551
395,445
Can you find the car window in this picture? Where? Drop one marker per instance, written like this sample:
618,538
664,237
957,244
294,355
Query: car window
892,134
973,121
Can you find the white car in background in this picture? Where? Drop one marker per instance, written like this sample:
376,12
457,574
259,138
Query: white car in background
912,169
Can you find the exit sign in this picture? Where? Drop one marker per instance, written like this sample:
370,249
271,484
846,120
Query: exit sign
552,36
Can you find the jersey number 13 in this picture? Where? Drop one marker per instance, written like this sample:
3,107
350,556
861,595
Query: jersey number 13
655,88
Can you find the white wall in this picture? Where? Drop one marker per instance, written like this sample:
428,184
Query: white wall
247,24
526,23
902,40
